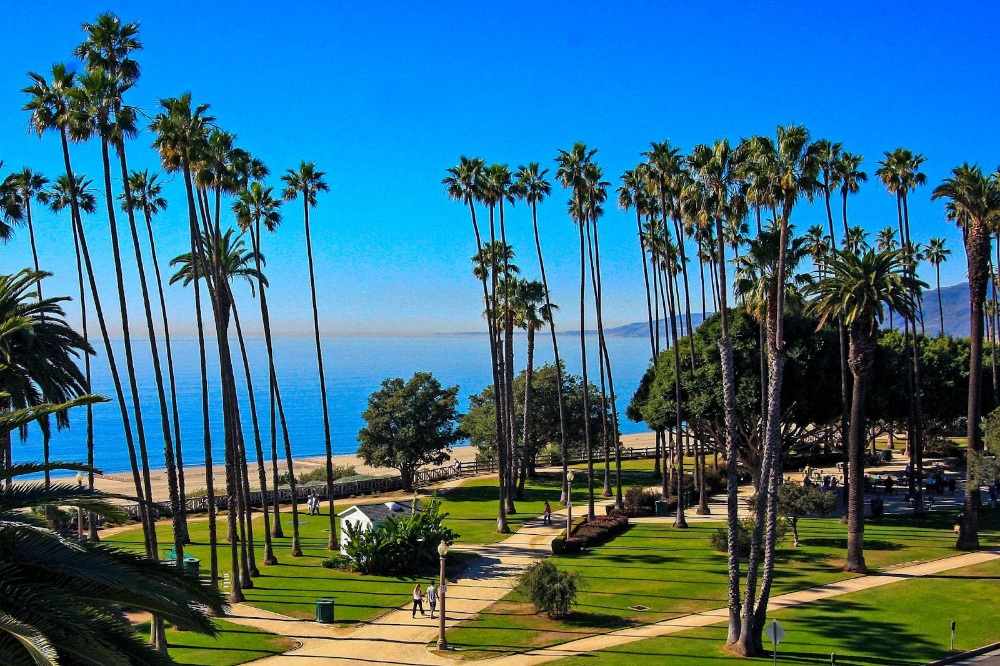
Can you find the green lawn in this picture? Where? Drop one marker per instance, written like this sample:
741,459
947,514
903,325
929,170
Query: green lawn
906,623
234,644
472,507
676,572
294,584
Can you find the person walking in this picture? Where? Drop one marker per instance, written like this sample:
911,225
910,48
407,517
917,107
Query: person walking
432,597
418,601
547,514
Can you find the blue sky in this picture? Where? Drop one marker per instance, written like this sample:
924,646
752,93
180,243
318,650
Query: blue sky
384,97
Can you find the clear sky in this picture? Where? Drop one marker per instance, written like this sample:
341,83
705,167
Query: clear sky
385,96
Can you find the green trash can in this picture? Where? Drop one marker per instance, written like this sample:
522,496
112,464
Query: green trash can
324,611
886,455
661,508
192,565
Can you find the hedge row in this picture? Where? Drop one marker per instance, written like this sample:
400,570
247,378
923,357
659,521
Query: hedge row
587,534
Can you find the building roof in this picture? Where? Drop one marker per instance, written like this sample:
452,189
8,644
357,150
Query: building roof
377,513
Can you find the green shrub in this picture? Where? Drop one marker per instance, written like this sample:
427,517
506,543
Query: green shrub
550,590
319,474
338,561
640,501
400,545
719,538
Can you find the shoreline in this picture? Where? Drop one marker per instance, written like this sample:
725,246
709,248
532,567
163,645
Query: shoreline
195,478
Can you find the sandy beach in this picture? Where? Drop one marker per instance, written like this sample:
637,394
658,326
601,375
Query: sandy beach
194,476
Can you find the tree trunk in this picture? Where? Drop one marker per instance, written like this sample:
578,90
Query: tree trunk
977,248
563,450
586,383
861,361
168,446
594,281
526,434
213,539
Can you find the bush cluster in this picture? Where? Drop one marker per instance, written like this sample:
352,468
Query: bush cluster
640,501
550,590
591,533
719,538
338,561
400,545
319,474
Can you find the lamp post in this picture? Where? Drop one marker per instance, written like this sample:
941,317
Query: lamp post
569,502
79,511
442,587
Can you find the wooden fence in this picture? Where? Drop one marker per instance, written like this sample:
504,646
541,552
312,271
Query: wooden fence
341,489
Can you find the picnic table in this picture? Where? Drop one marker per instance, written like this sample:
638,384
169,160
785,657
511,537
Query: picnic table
190,563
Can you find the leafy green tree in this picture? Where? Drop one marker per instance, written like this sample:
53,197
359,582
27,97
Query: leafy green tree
796,500
409,425
478,423
550,590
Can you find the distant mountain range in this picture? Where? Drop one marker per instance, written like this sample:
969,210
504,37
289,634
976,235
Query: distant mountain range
954,303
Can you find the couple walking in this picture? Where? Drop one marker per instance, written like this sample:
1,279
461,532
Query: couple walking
418,599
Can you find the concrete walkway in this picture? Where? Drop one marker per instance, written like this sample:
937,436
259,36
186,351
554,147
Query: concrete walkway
396,638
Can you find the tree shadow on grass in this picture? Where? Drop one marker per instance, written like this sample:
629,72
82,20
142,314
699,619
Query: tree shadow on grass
841,544
596,620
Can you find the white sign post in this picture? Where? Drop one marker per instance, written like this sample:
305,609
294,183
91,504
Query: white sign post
776,633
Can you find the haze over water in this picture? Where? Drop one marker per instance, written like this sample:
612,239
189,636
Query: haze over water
355,366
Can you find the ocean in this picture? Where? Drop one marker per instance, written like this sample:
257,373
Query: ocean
355,367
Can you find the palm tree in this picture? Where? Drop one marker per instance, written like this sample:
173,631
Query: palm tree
225,258
308,182
255,208
532,186
59,599
572,174
18,191
936,253
38,354
900,173
531,312
146,195
858,288
52,107
847,171
63,196
856,240
464,183
975,204
179,131
789,165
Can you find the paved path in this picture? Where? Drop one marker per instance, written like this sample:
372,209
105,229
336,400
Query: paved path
988,659
396,638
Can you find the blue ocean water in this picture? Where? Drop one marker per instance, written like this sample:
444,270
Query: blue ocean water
355,366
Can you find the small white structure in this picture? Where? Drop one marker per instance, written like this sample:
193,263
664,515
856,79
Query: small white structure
370,516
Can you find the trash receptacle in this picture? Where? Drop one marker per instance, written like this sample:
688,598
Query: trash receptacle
886,455
324,611
192,565
661,508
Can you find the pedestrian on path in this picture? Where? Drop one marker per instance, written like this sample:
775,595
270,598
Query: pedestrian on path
432,597
547,514
418,601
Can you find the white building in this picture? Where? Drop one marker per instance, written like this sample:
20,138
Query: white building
370,516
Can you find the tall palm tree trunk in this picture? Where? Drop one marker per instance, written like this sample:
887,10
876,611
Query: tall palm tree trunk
115,376
332,541
594,281
508,366
679,520
529,371
127,343
168,446
175,412
563,450
92,523
269,559
588,445
977,250
203,367
861,361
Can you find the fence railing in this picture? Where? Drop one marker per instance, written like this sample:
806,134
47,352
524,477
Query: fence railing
341,489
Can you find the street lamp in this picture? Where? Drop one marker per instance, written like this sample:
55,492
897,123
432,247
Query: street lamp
442,587
569,502
79,511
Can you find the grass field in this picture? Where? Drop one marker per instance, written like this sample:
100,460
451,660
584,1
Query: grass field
903,624
676,572
294,584
234,644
